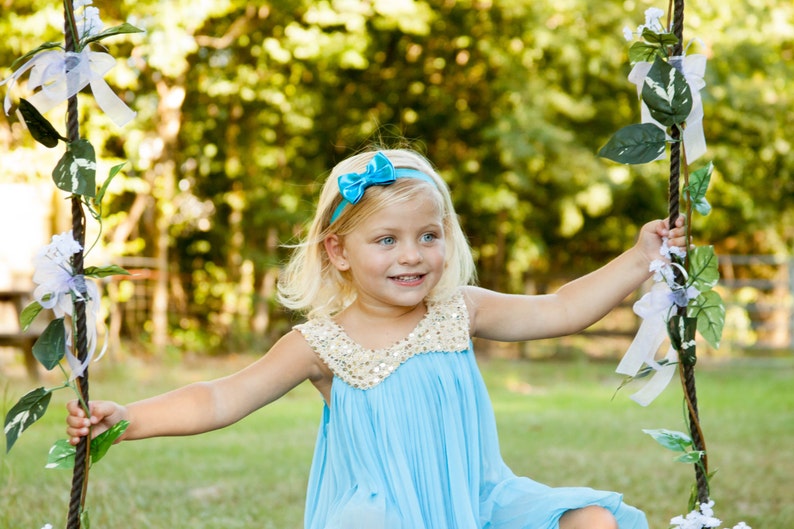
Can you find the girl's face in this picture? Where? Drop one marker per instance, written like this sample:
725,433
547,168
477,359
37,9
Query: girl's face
396,256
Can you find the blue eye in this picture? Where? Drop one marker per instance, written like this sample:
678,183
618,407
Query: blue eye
387,241
428,237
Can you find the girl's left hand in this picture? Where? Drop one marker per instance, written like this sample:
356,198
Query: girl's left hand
652,233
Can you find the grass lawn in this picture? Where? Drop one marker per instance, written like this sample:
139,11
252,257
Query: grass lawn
558,424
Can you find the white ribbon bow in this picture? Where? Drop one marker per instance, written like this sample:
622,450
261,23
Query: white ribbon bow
653,307
60,75
693,67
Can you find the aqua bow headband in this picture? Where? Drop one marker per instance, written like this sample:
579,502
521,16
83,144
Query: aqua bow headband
379,172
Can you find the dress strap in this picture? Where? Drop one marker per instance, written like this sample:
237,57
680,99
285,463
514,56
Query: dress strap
445,328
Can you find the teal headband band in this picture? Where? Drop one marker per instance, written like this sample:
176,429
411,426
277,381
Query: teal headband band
379,172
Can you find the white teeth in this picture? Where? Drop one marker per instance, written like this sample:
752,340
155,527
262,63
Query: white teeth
407,278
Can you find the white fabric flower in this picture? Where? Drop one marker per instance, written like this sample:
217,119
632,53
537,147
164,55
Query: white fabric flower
628,34
669,251
53,273
57,289
702,518
652,16
88,22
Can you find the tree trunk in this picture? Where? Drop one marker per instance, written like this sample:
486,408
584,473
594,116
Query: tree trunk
170,111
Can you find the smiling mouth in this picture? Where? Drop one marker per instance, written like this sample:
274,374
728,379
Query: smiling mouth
408,279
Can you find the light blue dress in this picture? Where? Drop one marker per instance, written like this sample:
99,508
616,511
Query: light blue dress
409,440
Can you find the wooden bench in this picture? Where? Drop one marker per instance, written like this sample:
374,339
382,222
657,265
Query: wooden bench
12,336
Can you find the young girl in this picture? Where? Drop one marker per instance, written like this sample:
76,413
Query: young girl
407,438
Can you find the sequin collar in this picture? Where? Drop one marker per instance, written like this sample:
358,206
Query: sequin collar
445,328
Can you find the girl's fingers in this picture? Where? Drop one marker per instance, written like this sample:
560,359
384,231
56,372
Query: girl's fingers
77,424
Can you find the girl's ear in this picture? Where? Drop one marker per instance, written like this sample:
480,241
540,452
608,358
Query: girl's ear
336,252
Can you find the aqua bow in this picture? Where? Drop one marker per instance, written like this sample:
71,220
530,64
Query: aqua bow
379,172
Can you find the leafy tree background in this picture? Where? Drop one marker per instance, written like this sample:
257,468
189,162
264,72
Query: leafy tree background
243,108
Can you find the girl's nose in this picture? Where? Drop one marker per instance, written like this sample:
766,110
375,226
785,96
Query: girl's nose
411,255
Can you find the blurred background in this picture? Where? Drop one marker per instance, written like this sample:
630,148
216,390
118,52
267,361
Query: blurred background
243,108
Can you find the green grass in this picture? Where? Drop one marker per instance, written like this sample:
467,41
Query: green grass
558,424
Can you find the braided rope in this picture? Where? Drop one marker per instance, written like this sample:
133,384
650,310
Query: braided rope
687,362
82,455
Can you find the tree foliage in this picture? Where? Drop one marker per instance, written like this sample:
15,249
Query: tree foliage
243,108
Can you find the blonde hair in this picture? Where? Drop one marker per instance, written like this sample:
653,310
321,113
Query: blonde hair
310,283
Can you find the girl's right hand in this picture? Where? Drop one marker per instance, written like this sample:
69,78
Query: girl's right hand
104,414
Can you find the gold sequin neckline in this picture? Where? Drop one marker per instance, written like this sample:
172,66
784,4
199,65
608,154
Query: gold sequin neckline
444,328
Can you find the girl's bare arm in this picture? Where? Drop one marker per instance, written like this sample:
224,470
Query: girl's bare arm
577,304
206,406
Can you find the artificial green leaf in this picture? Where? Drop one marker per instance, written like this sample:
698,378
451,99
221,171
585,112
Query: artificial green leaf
661,39
698,185
693,456
102,442
31,53
642,52
121,29
703,268
702,206
693,502
41,129
709,310
105,271
29,314
635,144
50,347
667,94
76,170
61,455
27,411
113,172
670,439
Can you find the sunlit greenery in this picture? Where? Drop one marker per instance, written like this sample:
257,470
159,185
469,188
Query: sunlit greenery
243,107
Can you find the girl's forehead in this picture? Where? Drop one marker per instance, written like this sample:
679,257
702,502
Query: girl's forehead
422,209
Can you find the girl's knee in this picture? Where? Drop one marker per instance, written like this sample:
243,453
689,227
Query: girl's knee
590,517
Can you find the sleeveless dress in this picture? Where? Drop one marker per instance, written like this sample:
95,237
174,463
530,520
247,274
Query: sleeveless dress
409,439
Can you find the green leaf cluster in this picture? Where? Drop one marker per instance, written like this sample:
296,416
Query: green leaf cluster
62,453
669,100
49,350
652,46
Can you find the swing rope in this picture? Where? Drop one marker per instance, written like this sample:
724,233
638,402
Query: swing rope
686,365
82,455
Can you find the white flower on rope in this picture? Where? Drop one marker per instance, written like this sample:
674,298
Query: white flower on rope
87,18
58,288
702,517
